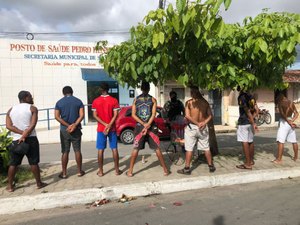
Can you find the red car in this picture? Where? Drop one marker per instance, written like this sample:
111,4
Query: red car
125,125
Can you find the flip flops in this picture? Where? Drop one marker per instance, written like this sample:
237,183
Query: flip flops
42,185
119,172
212,168
129,174
100,174
82,173
61,176
243,167
184,171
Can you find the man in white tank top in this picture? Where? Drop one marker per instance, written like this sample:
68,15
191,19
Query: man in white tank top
21,120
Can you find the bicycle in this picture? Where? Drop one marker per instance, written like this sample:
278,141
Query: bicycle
175,149
263,117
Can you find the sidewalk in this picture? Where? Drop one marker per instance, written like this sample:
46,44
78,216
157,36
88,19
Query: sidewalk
148,179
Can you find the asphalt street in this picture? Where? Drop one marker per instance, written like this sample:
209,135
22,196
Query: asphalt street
264,203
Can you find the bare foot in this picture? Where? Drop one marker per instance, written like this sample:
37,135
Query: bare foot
276,161
294,158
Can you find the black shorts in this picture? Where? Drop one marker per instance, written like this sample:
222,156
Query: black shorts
153,143
33,154
67,138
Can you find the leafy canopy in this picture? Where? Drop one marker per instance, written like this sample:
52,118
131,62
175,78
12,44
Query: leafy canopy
192,44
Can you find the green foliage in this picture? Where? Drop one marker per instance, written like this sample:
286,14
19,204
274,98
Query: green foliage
24,174
192,44
5,141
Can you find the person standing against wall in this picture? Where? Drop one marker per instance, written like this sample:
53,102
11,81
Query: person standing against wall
105,110
69,112
21,120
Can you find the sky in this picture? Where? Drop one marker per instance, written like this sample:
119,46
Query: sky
106,19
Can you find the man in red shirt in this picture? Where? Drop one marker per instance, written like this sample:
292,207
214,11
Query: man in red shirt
105,111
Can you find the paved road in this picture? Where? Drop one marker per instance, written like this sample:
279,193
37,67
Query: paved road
264,203
51,152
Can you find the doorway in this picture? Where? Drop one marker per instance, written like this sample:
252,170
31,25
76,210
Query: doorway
93,92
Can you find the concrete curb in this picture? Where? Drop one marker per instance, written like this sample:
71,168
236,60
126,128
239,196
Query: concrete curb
233,129
65,198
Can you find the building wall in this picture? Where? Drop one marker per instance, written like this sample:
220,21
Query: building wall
265,100
44,68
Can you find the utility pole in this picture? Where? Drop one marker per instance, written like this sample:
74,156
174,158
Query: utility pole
162,4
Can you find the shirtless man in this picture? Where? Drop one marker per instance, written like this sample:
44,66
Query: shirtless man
286,130
198,113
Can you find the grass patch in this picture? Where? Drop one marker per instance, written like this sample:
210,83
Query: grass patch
23,174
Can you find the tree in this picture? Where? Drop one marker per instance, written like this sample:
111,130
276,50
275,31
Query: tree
192,44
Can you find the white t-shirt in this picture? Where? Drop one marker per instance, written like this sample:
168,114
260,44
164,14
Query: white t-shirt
21,117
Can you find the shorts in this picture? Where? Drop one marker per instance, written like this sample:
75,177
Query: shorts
33,154
193,135
102,140
153,139
67,138
286,133
245,133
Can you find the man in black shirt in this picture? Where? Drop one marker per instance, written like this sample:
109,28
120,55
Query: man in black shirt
246,129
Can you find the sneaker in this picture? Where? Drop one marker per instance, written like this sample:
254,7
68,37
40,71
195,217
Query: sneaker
212,168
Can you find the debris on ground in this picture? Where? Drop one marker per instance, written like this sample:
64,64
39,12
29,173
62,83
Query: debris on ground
177,203
143,159
124,198
152,205
100,202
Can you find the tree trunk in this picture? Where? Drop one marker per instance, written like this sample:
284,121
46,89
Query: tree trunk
213,139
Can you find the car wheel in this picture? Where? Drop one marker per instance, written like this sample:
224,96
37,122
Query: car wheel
127,136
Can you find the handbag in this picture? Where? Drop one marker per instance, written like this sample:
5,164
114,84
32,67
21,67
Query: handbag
20,148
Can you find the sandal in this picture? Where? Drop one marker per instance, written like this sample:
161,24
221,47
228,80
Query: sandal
184,171
10,189
119,172
212,168
42,185
167,173
82,173
243,167
100,174
61,176
129,174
